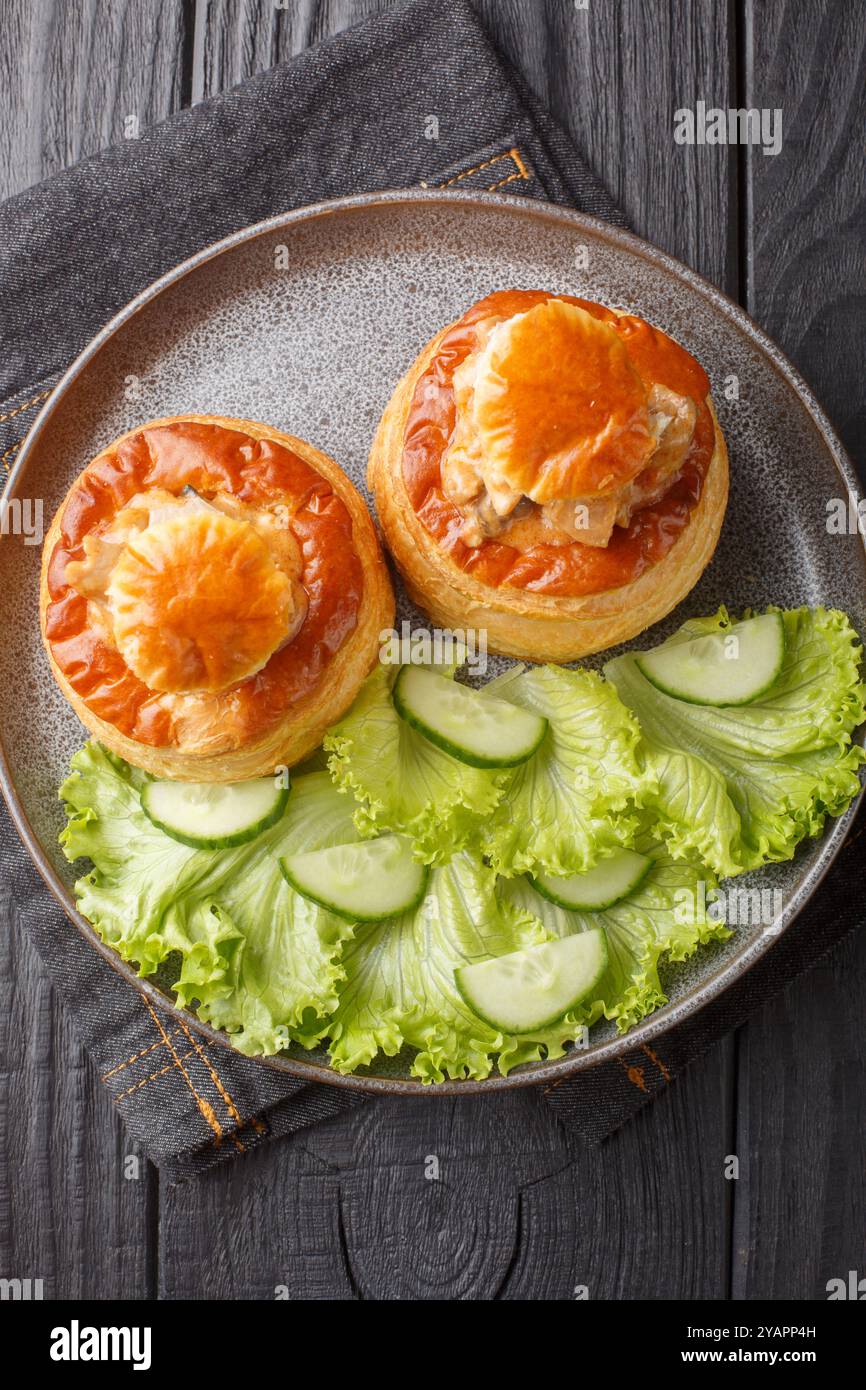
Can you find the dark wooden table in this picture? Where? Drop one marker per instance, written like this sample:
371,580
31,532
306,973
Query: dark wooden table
521,1210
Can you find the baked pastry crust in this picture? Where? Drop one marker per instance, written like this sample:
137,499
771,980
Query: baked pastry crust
279,715
519,621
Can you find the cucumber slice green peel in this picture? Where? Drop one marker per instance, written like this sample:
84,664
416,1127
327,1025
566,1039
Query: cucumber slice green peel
369,881
477,730
733,667
528,990
599,888
214,815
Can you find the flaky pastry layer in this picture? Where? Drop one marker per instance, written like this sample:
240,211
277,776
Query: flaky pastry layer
519,622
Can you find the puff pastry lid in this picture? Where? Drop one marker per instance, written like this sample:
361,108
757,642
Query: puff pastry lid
552,444
201,583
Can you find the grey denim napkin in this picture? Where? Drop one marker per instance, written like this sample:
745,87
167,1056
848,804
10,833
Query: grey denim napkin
346,117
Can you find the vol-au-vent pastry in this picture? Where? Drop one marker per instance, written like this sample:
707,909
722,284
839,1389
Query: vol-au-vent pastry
553,471
212,597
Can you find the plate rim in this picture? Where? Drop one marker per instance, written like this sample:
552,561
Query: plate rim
575,1060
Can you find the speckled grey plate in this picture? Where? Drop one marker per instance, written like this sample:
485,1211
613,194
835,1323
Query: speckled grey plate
315,349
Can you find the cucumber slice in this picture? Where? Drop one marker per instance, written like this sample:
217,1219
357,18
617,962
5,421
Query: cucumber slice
214,815
365,882
473,728
528,990
723,668
598,888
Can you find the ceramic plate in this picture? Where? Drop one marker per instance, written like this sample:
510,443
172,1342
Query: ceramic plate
306,322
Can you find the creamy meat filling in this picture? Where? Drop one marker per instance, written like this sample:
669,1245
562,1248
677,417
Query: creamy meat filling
473,474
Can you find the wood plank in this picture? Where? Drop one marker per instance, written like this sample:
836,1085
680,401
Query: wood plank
612,75
472,1199
72,76
69,77
801,1121
644,1216
411,1199
77,1201
806,246
430,1192
801,1107
266,1226
235,39
353,1210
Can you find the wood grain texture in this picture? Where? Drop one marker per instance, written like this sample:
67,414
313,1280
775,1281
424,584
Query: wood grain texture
414,1200
613,74
265,1227
646,1214
800,1216
77,1203
807,230
800,1203
477,1199
73,73
235,39
430,1192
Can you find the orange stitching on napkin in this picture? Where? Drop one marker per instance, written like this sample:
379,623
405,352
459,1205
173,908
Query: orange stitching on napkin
648,1052
205,1108
43,396
491,188
514,154
518,160
229,1103
634,1074
134,1058
553,1085
13,449
137,1085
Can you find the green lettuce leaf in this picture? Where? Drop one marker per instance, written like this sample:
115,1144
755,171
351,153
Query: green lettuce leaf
255,958
622,764
667,916
399,986
141,894
404,783
574,799
741,787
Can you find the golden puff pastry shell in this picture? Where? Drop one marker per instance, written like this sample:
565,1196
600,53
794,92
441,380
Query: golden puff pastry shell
279,716
517,621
